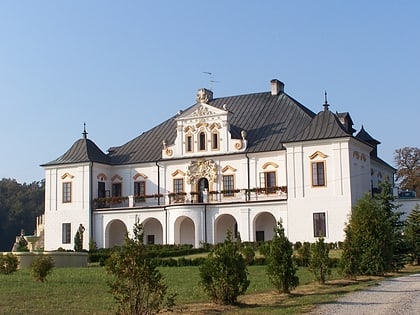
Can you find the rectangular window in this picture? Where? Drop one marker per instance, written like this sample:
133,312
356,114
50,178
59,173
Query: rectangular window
228,185
318,174
189,144
150,239
214,141
66,233
202,141
268,181
319,224
66,192
259,236
178,185
101,190
116,190
140,188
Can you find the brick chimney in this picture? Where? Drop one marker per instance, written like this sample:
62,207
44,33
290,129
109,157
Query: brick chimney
277,87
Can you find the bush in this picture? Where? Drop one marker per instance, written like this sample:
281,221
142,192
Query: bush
304,255
224,275
41,267
8,263
320,263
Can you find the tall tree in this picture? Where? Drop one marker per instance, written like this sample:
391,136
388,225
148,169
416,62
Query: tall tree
20,204
412,232
407,161
281,268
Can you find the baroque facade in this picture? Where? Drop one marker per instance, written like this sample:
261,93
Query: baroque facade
238,163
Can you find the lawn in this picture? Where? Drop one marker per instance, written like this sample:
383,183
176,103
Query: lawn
84,291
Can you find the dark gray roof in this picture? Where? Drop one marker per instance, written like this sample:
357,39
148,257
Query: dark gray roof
83,150
269,121
366,137
325,125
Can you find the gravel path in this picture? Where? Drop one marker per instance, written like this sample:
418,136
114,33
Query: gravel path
396,296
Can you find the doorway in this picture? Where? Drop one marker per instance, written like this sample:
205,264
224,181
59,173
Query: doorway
203,184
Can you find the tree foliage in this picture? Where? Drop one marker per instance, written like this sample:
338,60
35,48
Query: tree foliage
20,204
407,161
8,263
412,232
136,284
41,267
319,263
369,245
281,268
224,274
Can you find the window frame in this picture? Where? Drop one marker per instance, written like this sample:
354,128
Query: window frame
189,143
140,188
318,174
178,185
116,192
265,179
319,220
202,139
228,191
66,233
67,192
215,141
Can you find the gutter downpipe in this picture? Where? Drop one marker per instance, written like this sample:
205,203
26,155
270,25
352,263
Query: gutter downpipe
90,203
248,195
158,180
205,223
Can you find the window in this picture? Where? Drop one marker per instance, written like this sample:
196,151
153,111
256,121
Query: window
202,141
268,181
66,192
319,224
140,188
259,236
214,141
150,239
228,185
318,174
116,190
178,185
101,190
189,143
66,233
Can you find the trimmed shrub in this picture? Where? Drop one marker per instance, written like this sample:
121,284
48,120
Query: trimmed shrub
41,267
8,263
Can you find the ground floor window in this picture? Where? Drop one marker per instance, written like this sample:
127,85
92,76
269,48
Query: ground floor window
319,224
150,239
66,233
259,237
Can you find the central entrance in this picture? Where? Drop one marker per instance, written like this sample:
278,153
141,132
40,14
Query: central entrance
203,185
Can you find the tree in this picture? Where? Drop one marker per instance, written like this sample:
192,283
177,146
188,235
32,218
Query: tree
319,263
224,274
369,233
281,268
412,232
78,245
137,286
407,161
41,267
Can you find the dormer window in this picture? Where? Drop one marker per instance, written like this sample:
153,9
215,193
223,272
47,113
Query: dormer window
189,143
215,141
202,141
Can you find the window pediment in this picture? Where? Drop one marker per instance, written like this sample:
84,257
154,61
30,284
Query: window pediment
228,168
67,175
317,154
116,178
178,173
269,164
136,177
101,177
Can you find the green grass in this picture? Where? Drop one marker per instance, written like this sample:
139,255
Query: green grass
84,291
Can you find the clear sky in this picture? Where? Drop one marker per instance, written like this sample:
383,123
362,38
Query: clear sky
124,66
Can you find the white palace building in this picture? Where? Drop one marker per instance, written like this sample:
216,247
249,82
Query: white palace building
241,162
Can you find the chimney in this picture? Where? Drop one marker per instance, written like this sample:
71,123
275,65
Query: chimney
277,87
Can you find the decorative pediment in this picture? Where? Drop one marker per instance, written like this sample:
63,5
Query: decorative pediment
116,178
135,177
215,126
67,175
316,154
228,168
269,164
189,129
178,173
101,177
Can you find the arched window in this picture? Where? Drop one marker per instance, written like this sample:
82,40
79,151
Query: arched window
202,141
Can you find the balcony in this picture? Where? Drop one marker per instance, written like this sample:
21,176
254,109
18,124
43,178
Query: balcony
237,195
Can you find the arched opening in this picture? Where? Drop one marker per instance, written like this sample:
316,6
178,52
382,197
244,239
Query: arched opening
115,233
184,231
222,224
202,186
264,224
153,231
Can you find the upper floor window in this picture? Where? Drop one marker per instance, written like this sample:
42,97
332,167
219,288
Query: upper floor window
318,174
268,181
140,188
189,143
214,141
228,185
67,192
320,229
116,190
178,185
202,141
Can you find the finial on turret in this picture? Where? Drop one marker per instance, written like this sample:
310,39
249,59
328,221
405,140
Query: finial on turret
326,105
84,133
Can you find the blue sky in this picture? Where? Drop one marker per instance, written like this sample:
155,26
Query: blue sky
124,66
